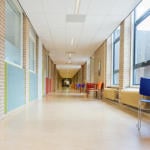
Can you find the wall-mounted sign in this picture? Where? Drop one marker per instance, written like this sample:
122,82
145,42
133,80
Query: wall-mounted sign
99,68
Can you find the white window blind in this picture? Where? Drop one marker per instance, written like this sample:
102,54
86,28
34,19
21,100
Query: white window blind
13,52
32,51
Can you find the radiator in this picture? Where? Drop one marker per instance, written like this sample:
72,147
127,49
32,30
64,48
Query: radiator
110,93
129,97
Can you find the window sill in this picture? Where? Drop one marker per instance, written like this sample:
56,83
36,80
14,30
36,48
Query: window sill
32,71
132,89
115,87
13,64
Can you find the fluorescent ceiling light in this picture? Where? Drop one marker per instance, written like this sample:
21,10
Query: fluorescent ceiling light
69,66
77,7
72,41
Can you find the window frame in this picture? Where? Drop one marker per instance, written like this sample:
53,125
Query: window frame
32,36
17,6
141,64
115,40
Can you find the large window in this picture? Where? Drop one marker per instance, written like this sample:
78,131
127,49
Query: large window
13,44
32,51
141,59
116,49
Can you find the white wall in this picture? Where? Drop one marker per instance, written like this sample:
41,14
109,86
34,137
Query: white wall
92,69
88,71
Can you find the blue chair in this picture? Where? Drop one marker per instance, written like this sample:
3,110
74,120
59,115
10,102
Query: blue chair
144,91
78,86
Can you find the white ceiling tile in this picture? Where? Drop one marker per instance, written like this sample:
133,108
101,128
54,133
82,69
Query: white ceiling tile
59,6
49,20
56,19
84,6
29,5
102,7
94,19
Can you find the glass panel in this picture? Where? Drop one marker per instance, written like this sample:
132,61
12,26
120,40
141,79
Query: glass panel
116,55
116,33
142,8
116,78
12,54
141,72
13,34
142,41
31,51
116,50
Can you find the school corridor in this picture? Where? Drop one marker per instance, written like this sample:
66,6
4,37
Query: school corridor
74,74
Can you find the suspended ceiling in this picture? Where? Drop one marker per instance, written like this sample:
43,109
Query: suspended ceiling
62,29
68,71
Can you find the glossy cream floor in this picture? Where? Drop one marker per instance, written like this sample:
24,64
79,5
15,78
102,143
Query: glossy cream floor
67,121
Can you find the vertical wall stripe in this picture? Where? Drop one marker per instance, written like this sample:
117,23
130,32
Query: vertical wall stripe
2,57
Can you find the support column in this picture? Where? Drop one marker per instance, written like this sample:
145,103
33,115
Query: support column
82,68
108,71
88,72
2,59
125,54
92,69
55,78
26,28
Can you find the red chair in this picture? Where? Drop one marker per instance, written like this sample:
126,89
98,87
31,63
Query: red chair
91,87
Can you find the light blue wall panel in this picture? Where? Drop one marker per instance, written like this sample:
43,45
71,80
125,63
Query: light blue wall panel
33,86
15,87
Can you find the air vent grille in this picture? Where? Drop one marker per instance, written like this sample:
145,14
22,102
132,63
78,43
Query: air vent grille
75,18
